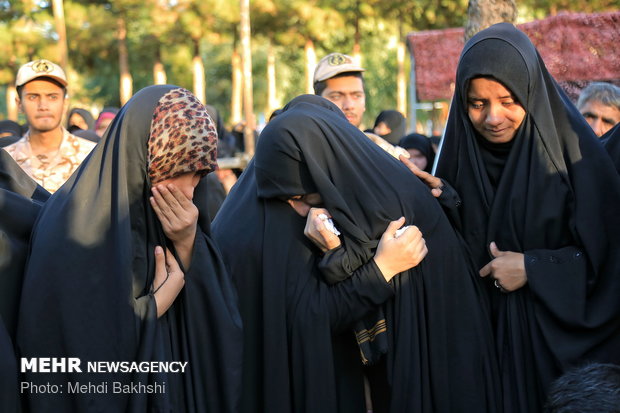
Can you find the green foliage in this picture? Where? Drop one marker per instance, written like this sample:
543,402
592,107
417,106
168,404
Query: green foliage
170,29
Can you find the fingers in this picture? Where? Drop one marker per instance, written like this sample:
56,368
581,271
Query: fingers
171,262
429,179
393,227
486,270
160,259
176,195
495,252
161,271
412,167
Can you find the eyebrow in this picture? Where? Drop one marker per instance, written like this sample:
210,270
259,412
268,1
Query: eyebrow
472,97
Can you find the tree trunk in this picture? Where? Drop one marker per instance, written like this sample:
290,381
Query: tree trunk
237,80
401,79
159,71
272,100
484,13
11,104
61,29
246,62
198,69
126,87
357,47
310,66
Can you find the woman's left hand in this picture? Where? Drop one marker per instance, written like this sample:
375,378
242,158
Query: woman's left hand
168,282
507,269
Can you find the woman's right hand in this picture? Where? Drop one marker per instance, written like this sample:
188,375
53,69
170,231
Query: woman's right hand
318,233
396,254
168,282
433,182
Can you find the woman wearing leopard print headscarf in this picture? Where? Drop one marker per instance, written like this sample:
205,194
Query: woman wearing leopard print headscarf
100,288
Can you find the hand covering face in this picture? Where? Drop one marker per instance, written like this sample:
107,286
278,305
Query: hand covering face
87,288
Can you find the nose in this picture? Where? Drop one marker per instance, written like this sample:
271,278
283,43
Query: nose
494,115
597,126
347,102
43,104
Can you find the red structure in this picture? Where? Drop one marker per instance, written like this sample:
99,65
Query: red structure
577,49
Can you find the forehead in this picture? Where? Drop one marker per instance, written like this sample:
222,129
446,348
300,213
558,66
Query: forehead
346,84
597,107
484,87
41,86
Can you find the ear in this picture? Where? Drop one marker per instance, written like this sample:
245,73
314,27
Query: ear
18,102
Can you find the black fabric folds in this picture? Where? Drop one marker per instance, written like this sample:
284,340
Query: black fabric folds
87,284
611,140
555,199
20,202
300,327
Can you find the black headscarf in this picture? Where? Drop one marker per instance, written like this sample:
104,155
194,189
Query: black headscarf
84,114
421,143
12,130
20,202
438,331
396,122
553,195
87,288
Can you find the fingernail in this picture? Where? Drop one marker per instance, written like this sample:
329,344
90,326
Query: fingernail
159,250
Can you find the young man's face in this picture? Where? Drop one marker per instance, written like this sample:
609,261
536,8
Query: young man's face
43,103
348,94
600,117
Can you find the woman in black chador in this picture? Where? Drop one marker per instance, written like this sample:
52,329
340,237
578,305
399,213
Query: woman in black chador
425,335
537,203
97,288
21,199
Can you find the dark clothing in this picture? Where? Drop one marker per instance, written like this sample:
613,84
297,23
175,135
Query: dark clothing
436,328
20,201
611,140
290,359
551,194
87,134
87,290
10,132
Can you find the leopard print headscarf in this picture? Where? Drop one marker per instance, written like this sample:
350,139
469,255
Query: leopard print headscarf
183,137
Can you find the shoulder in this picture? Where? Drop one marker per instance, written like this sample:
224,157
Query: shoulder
78,141
16,147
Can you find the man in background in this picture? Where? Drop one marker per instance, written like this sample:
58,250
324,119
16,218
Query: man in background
47,152
339,79
599,103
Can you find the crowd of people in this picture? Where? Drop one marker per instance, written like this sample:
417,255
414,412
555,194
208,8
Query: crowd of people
343,271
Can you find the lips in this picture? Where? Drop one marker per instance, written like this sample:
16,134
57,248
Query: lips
496,132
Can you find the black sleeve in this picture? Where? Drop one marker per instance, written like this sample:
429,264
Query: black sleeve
334,266
352,299
450,201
